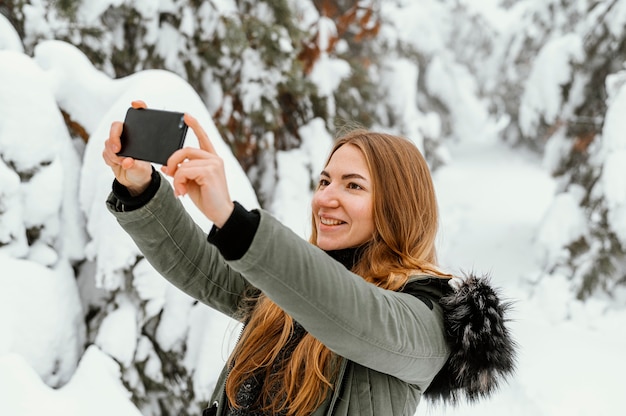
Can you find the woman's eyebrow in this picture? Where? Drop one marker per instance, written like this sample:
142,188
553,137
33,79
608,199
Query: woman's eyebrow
353,176
346,176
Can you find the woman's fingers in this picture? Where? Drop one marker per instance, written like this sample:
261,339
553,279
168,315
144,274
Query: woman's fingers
192,171
138,104
128,163
112,145
183,155
203,138
199,171
115,132
204,182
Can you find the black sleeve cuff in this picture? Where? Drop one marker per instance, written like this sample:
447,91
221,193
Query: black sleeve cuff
235,237
130,202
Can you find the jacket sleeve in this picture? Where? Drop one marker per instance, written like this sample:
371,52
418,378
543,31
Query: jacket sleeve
390,332
178,249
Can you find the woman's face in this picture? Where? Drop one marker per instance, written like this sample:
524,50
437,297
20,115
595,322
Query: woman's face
343,202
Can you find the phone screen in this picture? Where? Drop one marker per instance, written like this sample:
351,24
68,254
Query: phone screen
152,135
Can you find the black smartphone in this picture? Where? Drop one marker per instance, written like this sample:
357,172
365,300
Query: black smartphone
152,135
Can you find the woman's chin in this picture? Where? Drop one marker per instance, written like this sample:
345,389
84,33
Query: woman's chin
330,245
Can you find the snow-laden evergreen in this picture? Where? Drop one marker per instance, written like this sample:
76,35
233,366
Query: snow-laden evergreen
556,74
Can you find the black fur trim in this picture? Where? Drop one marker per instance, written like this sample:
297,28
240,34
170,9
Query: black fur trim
483,352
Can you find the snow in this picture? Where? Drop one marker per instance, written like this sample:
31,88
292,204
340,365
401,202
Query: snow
396,75
40,307
326,31
297,169
169,41
614,184
92,9
328,73
563,224
9,39
62,191
150,287
453,84
613,179
498,18
498,216
117,335
616,18
493,200
95,389
421,25
551,71
255,84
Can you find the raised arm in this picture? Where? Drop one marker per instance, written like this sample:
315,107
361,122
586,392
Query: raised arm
148,210
178,249
391,332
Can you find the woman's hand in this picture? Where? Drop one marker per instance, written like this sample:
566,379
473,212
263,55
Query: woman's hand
135,175
200,174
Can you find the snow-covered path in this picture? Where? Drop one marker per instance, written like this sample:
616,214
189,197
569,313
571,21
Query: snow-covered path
492,200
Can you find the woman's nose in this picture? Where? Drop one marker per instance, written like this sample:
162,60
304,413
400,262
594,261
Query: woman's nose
327,197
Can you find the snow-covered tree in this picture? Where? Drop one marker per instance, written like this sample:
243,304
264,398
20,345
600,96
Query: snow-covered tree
41,229
241,57
555,76
447,102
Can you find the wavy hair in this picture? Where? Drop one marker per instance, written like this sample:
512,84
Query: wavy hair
405,222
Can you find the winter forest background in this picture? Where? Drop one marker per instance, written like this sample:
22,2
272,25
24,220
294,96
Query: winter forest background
519,107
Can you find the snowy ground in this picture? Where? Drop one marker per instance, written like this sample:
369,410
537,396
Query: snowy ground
492,199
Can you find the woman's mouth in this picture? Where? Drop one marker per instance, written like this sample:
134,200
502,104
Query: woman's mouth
331,221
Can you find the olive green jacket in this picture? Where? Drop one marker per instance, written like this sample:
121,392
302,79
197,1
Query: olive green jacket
392,343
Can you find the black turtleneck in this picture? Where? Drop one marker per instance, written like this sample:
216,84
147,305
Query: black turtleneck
349,257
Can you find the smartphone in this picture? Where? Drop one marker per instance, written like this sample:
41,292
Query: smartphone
152,135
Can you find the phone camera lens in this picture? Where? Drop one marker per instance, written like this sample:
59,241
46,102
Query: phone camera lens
181,123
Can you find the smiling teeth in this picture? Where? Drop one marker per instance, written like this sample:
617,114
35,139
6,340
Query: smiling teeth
328,221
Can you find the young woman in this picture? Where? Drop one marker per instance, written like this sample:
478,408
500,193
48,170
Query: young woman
358,321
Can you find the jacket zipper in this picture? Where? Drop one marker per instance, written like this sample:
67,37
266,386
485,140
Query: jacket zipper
333,401
217,403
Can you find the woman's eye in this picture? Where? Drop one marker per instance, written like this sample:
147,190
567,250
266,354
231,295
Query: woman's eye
353,185
323,182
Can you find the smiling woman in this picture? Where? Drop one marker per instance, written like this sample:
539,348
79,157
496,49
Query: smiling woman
343,202
400,218
357,321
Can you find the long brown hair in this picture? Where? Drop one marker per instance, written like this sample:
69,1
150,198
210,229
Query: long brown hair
405,222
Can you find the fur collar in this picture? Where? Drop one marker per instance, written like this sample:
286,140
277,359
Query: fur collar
483,352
